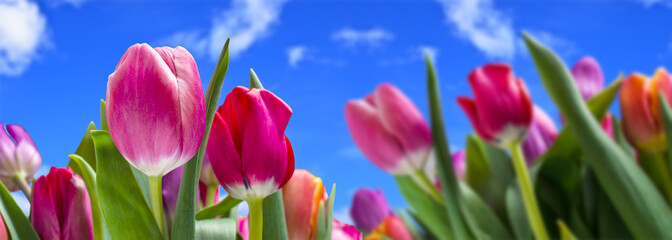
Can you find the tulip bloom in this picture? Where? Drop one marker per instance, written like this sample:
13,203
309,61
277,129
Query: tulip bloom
390,130
590,81
369,208
501,111
155,108
540,137
641,114
247,148
342,231
392,228
19,159
301,198
61,208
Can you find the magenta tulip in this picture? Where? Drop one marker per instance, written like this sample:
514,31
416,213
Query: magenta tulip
390,130
342,231
369,208
540,137
155,108
60,206
501,111
19,158
247,148
460,163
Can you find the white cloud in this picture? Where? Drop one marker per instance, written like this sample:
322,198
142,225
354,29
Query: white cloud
74,3
431,51
343,215
22,201
371,37
296,54
558,44
413,54
650,3
483,25
245,22
22,32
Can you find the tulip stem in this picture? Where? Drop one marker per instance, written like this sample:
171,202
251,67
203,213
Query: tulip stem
655,165
156,200
256,218
210,195
527,191
20,180
423,181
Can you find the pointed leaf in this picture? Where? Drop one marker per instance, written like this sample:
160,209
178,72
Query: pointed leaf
18,226
86,149
221,208
87,173
429,212
275,226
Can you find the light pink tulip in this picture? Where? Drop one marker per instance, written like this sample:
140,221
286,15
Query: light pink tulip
501,111
60,206
18,157
155,108
301,198
247,147
588,76
342,231
244,227
540,137
390,130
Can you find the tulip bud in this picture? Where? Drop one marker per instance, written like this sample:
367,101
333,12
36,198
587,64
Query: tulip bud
155,108
247,147
342,231
61,208
392,228
588,77
642,123
369,208
540,137
19,158
301,198
501,111
207,175
390,130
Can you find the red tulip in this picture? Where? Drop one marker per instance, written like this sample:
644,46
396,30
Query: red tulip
501,111
390,130
302,197
155,108
61,208
247,148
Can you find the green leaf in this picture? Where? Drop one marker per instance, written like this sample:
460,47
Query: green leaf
666,116
610,225
86,149
321,228
516,212
89,176
275,226
254,80
221,208
325,216
565,233
635,197
18,226
620,137
184,224
451,192
103,116
488,223
330,210
429,212
126,212
216,229
410,224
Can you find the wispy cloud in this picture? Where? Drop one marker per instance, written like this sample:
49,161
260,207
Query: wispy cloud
650,3
296,54
245,22
431,51
74,3
23,30
367,37
412,54
560,45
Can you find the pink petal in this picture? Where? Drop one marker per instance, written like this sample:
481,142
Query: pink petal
301,199
588,76
223,155
44,212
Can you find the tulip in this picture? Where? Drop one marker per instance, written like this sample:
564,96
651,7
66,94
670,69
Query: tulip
301,198
19,159
208,184
60,206
501,111
155,108
3,230
369,208
342,231
390,130
170,188
392,228
540,137
244,227
588,76
460,163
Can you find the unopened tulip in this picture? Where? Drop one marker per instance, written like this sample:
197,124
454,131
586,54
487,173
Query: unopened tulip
342,231
392,228
207,175
155,108
540,137
390,130
247,148
19,158
641,115
61,208
588,76
301,198
170,188
207,195
369,208
501,111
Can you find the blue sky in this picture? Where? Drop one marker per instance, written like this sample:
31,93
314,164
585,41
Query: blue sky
55,56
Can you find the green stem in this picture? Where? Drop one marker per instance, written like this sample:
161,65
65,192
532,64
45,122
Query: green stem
20,180
655,165
210,195
423,181
156,200
527,191
256,219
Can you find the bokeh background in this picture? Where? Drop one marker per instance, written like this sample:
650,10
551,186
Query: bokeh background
56,55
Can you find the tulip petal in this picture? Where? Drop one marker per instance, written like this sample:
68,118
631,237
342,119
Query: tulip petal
224,156
369,208
19,134
639,124
301,198
469,107
588,77
77,223
44,212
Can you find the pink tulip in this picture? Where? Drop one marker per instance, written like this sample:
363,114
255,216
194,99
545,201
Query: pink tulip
342,231
588,76
155,108
460,163
540,137
3,230
501,111
247,148
390,130
301,198
19,158
244,227
60,206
